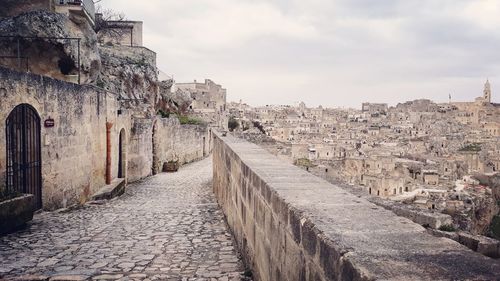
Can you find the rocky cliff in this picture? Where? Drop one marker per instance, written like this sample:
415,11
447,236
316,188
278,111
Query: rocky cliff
130,72
44,46
486,218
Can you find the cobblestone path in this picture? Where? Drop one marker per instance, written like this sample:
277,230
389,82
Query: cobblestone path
166,227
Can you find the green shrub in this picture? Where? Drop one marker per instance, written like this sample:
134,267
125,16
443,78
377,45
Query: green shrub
100,83
259,126
162,113
304,162
447,228
494,230
188,120
247,273
471,147
232,124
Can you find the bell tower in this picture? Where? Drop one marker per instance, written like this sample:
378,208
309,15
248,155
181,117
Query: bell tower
487,92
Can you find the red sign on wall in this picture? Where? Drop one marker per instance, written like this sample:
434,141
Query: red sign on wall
49,123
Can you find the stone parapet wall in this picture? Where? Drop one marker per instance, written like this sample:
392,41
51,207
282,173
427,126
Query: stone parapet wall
428,218
139,54
291,225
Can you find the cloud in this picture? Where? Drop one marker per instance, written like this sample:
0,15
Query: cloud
330,52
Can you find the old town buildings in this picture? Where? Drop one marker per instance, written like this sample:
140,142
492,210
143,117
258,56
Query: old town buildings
418,152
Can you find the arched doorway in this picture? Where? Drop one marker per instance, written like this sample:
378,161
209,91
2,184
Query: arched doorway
210,140
204,149
24,160
122,155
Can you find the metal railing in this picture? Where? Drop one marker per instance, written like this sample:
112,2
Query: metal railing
16,42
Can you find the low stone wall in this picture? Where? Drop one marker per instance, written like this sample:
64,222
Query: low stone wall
16,212
424,217
141,54
291,225
487,246
432,219
188,142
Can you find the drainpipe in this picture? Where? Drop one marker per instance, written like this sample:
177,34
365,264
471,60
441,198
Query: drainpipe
108,152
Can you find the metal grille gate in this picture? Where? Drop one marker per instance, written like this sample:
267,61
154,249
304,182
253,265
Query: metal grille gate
24,152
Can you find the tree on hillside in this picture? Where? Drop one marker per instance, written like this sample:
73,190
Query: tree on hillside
232,124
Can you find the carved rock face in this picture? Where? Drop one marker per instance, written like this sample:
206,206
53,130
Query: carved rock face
57,57
132,73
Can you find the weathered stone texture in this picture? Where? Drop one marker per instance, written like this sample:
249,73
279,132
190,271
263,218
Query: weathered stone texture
130,71
74,150
140,150
423,217
45,54
188,142
291,225
12,8
166,227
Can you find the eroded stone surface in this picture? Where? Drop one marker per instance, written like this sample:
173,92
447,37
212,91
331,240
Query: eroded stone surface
167,227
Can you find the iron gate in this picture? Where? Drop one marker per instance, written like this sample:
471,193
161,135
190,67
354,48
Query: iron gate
24,152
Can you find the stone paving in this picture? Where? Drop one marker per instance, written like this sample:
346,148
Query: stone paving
166,227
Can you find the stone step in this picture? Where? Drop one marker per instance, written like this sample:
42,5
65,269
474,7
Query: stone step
107,192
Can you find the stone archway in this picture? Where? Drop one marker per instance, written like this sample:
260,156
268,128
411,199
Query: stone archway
156,165
204,147
24,160
122,155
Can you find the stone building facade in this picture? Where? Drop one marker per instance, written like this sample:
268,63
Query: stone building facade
64,139
73,151
208,97
76,122
121,32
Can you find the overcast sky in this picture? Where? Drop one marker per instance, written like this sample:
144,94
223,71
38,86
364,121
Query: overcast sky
328,52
